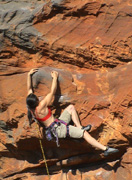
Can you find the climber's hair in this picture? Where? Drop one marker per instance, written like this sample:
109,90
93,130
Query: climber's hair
32,102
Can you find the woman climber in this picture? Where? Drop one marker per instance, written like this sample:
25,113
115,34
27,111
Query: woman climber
59,128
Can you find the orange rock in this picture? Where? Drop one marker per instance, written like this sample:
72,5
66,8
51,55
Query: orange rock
85,41
125,170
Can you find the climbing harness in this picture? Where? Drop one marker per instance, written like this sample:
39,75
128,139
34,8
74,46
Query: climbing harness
50,135
50,131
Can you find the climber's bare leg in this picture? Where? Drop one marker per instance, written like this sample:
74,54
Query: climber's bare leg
86,136
74,115
93,141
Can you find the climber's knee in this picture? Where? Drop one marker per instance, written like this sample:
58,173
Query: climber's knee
70,108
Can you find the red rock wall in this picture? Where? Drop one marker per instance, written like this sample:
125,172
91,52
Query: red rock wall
89,44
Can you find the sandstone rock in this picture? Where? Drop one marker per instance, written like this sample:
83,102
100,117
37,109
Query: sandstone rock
22,141
84,33
61,35
125,170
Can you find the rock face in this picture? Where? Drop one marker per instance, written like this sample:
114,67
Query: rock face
90,45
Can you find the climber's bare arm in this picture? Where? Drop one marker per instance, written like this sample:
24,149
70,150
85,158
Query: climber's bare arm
48,99
29,80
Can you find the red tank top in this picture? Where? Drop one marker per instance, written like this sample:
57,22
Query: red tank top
46,117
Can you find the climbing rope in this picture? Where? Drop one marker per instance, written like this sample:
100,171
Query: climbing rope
42,149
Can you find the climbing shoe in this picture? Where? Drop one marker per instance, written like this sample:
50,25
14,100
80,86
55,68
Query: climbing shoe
110,150
87,128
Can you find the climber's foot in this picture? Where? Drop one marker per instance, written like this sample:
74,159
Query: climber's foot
110,151
87,128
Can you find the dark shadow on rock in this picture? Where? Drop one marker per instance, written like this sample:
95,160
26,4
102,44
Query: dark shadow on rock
56,101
